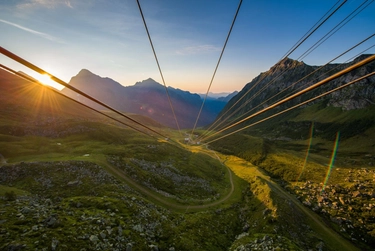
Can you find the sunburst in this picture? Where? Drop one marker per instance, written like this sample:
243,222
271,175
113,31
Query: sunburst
45,79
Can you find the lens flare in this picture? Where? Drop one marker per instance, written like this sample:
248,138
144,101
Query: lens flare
330,167
307,151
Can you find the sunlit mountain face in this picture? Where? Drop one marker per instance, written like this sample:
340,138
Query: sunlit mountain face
201,126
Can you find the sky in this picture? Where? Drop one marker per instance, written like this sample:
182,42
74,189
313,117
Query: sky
109,38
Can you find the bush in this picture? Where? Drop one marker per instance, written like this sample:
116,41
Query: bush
10,196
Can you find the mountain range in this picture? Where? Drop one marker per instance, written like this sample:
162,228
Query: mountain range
147,98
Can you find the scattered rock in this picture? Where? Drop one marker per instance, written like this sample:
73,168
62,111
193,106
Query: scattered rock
54,244
94,238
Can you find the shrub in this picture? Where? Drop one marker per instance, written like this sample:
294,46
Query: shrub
10,196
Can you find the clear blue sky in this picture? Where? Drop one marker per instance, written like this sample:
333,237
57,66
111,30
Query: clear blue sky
109,39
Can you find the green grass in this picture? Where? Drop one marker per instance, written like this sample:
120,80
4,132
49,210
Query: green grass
7,189
329,114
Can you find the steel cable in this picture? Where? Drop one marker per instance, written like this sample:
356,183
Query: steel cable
57,80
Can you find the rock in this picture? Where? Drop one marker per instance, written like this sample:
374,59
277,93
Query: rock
119,230
320,246
109,230
342,200
94,238
48,202
54,244
129,247
138,228
51,221
26,210
153,247
265,238
307,203
15,247
73,183
266,211
356,194
102,235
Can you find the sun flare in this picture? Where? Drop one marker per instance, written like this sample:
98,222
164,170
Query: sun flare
45,79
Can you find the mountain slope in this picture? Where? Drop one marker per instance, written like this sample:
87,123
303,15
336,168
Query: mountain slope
291,76
146,98
322,152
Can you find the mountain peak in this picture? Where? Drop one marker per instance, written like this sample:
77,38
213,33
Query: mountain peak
85,73
148,83
361,57
286,63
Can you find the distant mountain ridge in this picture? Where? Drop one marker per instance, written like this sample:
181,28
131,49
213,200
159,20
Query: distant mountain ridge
146,98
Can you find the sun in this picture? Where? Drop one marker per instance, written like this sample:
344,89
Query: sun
45,79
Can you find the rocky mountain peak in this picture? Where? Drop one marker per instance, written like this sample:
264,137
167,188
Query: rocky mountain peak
361,57
148,83
286,63
84,73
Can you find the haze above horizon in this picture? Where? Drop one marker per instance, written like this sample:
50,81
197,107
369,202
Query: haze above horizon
109,39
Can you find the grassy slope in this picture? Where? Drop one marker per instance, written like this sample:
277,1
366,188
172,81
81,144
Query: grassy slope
282,144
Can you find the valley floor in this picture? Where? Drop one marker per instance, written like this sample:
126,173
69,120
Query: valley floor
265,215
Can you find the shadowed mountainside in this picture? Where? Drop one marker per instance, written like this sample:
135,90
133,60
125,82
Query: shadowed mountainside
146,98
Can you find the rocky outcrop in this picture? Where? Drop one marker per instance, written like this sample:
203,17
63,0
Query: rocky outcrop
349,205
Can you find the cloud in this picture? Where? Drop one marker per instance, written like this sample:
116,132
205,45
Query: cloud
38,33
49,4
200,49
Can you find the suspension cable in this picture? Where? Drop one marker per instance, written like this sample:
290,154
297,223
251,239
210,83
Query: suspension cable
157,62
309,31
320,68
217,65
291,50
303,40
67,97
334,30
57,80
324,81
293,107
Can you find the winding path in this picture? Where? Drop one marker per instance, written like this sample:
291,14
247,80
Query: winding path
156,197
317,223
